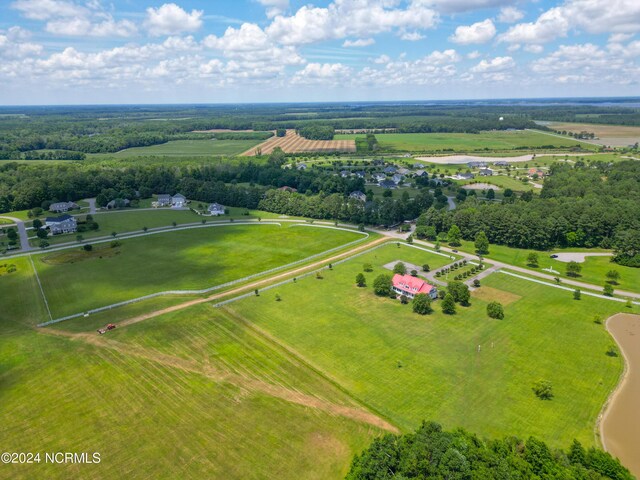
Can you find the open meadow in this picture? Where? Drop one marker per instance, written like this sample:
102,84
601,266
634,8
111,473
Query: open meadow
469,142
184,148
75,280
464,370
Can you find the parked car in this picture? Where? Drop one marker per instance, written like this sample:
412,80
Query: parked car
454,250
554,256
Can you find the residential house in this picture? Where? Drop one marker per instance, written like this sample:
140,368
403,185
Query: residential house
501,163
404,171
215,209
361,174
387,184
118,203
421,173
63,224
535,171
345,173
464,176
411,286
397,178
62,207
178,201
418,165
288,189
302,166
486,172
379,177
163,200
358,195
478,164
390,170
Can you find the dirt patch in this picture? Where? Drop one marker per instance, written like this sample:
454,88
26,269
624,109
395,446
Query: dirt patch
80,255
579,256
614,135
294,143
490,294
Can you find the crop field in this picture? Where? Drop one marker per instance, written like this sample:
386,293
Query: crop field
184,148
464,370
294,143
75,281
468,142
614,135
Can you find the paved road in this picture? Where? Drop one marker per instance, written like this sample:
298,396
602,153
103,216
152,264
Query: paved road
92,205
452,204
22,233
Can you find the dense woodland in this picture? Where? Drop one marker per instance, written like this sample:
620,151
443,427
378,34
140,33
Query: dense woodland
431,453
110,129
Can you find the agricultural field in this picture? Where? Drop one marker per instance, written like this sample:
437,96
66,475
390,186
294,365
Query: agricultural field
466,370
75,281
467,142
183,148
294,143
613,135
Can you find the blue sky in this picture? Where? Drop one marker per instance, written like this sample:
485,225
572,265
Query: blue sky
93,51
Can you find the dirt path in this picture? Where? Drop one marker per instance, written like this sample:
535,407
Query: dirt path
250,286
217,375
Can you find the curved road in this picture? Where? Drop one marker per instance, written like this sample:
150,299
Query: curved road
22,233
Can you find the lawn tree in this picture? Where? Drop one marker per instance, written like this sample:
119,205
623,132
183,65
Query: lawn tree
400,268
87,247
437,246
361,281
37,223
460,292
410,239
256,292
454,236
532,260
382,285
367,267
613,276
44,244
278,297
42,233
448,304
577,294
12,235
425,267
422,304
144,229
573,269
79,238
476,283
608,290
482,243
495,310
543,389
414,273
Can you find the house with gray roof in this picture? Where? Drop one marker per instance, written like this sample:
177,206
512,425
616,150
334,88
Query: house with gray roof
63,224
387,184
163,200
418,165
486,172
464,176
215,209
421,173
478,164
379,177
178,201
390,170
397,178
358,195
404,171
60,207
118,203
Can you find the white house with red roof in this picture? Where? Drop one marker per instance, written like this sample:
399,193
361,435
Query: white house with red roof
411,286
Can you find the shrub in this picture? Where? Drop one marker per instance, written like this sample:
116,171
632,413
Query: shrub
400,268
448,304
382,285
87,247
608,290
422,304
361,281
495,310
476,283
543,389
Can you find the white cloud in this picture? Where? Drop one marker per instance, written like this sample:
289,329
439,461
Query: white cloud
382,59
84,27
453,6
480,32
14,44
361,42
47,9
510,15
619,37
549,26
497,64
325,73
534,48
349,18
473,55
170,19
274,7
411,36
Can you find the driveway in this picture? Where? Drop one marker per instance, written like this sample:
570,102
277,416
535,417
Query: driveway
579,256
22,233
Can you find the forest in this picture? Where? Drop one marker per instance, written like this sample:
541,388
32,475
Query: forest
432,453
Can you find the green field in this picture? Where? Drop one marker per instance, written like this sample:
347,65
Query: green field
468,142
594,269
411,368
184,148
75,281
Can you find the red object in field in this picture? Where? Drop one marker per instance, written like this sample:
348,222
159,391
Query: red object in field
104,330
111,326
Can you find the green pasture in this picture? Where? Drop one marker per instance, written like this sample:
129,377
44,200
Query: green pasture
189,259
467,142
184,148
410,367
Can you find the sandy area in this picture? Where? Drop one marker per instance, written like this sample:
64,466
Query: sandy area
620,422
579,256
480,186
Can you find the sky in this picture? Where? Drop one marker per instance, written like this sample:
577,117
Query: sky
228,51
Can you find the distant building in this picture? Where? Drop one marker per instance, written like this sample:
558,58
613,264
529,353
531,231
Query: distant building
397,178
421,173
535,171
464,176
62,207
404,171
411,286
163,200
477,164
302,166
345,173
361,174
358,195
63,224
215,209
288,189
486,172
418,165
379,177
387,184
178,201
118,203
390,170
501,163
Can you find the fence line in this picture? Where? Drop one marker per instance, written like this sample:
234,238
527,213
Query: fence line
205,290
46,303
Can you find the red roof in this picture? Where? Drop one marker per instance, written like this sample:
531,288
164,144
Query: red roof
412,285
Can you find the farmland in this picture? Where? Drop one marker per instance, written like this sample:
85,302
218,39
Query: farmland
294,143
184,148
409,367
186,259
467,142
614,135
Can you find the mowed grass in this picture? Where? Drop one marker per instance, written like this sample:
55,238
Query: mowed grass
148,419
184,148
464,370
468,142
179,260
594,269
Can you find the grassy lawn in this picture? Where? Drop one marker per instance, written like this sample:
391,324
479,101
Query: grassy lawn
75,281
594,269
186,148
148,419
466,142
411,368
